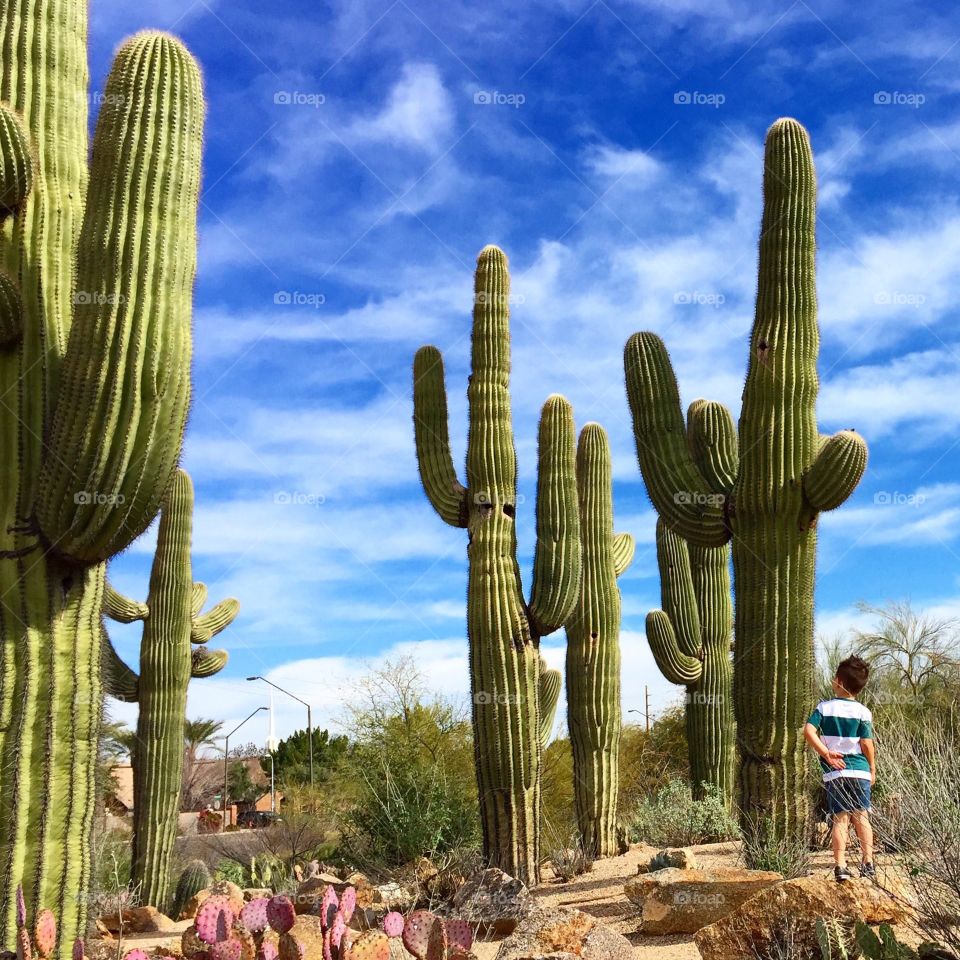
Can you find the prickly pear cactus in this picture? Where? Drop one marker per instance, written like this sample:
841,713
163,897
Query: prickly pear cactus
503,629
98,264
280,913
787,474
172,650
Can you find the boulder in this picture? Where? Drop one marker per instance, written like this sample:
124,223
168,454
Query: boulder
562,933
790,909
138,920
491,900
255,893
683,901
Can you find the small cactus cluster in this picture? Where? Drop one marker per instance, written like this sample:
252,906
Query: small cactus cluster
226,928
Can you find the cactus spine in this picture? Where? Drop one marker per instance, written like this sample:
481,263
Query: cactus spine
94,369
593,650
173,650
787,474
503,630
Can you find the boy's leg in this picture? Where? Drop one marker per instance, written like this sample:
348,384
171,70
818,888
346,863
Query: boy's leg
838,839
864,829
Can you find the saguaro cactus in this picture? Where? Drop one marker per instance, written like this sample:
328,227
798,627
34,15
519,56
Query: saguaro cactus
551,681
787,474
504,630
173,650
98,271
594,715
690,639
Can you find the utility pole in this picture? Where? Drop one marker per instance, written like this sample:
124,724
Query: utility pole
646,705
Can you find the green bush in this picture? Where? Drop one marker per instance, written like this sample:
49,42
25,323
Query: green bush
763,850
672,818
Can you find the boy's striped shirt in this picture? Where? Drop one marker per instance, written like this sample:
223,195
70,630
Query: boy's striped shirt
842,723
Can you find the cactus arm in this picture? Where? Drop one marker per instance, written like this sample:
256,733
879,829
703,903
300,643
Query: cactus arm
557,562
678,491
713,444
675,665
432,432
121,608
550,683
677,595
624,547
119,681
16,161
215,620
837,470
205,663
198,598
101,486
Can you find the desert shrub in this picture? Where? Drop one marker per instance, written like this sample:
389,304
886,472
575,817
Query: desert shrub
920,818
672,818
650,760
111,890
558,819
410,789
570,859
763,849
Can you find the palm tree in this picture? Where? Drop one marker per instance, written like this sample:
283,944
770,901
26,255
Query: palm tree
197,734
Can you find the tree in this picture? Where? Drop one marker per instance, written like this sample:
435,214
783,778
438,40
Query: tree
291,759
240,788
197,734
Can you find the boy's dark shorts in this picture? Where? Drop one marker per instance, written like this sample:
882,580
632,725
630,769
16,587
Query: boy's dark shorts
847,795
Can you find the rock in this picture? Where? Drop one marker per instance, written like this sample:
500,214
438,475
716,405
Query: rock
391,896
678,857
683,901
792,907
254,893
562,933
491,900
138,920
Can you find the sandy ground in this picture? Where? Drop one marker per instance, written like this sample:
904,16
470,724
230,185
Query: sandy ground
598,893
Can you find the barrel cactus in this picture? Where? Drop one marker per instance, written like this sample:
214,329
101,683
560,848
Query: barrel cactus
172,650
594,716
503,629
193,878
98,264
768,506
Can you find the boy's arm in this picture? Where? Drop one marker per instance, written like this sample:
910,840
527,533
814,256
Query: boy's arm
866,745
812,736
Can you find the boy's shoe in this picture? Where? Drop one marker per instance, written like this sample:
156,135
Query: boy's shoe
842,874
868,871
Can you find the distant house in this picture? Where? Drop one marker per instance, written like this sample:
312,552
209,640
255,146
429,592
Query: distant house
206,787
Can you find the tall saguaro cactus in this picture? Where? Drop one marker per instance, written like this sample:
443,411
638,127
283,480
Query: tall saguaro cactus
690,639
173,650
787,474
594,715
503,629
97,271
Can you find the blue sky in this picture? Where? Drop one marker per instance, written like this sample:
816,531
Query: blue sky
359,154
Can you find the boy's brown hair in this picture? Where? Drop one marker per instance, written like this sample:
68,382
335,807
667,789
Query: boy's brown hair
853,674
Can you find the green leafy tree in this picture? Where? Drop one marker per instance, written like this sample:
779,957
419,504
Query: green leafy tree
291,759
240,787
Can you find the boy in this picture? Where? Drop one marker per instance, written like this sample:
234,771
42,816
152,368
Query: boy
841,732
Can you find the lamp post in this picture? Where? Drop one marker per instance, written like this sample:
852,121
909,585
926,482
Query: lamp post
226,763
309,718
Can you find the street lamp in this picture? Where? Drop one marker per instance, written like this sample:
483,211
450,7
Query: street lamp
226,763
309,718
